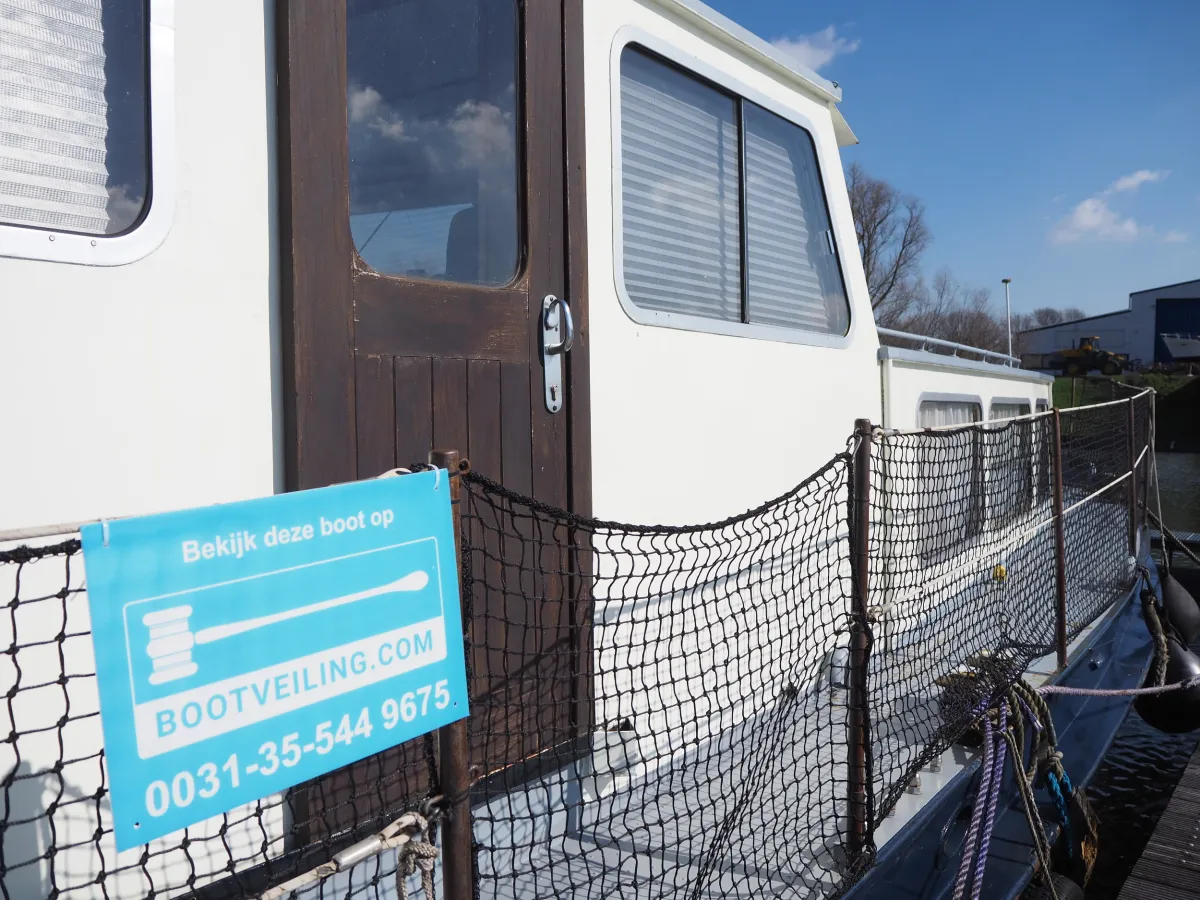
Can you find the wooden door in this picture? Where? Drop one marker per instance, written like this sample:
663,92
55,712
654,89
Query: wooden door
414,262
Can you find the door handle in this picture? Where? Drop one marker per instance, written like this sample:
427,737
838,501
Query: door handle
558,328
558,337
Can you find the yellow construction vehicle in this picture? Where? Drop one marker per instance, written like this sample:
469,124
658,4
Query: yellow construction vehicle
1086,356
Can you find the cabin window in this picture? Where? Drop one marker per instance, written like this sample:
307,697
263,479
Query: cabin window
74,115
432,116
1010,462
935,413
723,215
950,502
1008,410
680,196
794,279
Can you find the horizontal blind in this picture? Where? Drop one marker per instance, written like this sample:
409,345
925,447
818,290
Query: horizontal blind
1009,410
948,412
681,250
53,115
793,276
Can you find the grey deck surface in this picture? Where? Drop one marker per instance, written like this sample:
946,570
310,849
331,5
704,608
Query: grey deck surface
1170,866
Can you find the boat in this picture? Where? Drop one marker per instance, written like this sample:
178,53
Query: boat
1182,347
604,249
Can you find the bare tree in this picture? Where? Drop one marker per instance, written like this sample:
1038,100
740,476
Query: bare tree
892,235
1046,315
952,311
1073,314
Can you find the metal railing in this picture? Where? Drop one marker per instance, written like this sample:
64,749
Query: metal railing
925,340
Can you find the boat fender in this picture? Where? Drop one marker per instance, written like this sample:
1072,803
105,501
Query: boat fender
1175,712
1182,611
1064,889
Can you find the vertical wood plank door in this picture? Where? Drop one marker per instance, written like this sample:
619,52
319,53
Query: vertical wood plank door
430,162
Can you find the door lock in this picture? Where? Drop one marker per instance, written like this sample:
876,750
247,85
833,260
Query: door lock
558,336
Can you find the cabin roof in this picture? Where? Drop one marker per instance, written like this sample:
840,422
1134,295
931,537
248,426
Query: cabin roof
775,59
957,363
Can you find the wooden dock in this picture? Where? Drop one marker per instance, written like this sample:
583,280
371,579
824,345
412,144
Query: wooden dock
1170,866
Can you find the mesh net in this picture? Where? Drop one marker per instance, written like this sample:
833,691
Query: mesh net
670,687
656,711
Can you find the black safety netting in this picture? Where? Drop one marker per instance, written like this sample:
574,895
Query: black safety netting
656,711
664,696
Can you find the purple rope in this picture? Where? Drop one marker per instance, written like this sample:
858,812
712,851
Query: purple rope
985,838
981,796
1128,692
1029,713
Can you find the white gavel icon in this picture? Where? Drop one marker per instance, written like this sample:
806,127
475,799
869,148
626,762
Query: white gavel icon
172,640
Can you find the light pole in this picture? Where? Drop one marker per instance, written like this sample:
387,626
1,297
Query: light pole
1008,315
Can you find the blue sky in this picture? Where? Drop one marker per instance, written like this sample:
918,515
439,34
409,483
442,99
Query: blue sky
1058,144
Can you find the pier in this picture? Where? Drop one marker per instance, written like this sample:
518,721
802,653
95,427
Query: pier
1170,865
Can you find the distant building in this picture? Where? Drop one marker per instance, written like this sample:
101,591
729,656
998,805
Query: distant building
1173,310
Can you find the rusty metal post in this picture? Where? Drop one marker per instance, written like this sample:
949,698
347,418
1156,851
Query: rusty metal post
1132,449
860,645
1060,550
458,867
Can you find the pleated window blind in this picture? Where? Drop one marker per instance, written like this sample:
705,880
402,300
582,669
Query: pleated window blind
73,131
679,192
723,214
793,278
948,412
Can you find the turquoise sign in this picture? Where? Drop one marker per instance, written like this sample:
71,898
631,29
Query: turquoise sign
245,648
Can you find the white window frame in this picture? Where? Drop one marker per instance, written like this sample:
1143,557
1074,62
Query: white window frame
934,397
1009,401
694,65
22,242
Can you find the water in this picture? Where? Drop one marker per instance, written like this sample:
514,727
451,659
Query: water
1179,475
1134,784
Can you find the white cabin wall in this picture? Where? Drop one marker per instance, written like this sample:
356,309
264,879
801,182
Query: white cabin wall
152,385
905,383
130,389
689,426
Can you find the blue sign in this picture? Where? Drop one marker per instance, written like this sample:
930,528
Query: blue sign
244,648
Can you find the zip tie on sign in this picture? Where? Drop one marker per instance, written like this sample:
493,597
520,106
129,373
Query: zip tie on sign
407,835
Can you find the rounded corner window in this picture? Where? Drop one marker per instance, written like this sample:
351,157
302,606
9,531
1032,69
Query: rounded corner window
722,220
433,113
83,125
74,127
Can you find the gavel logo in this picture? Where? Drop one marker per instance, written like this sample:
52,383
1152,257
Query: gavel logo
172,640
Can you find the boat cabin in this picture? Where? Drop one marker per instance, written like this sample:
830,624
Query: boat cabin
603,248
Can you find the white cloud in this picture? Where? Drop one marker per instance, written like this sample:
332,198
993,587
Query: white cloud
817,49
1094,219
364,103
1135,180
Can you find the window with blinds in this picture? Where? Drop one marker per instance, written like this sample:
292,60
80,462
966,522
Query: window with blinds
680,195
793,279
74,136
934,413
1010,464
1008,410
949,509
723,215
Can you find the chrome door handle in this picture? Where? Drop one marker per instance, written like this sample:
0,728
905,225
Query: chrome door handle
558,336
558,328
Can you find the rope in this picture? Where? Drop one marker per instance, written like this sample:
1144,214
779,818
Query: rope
1034,819
412,837
1174,538
985,839
982,797
1127,692
417,854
